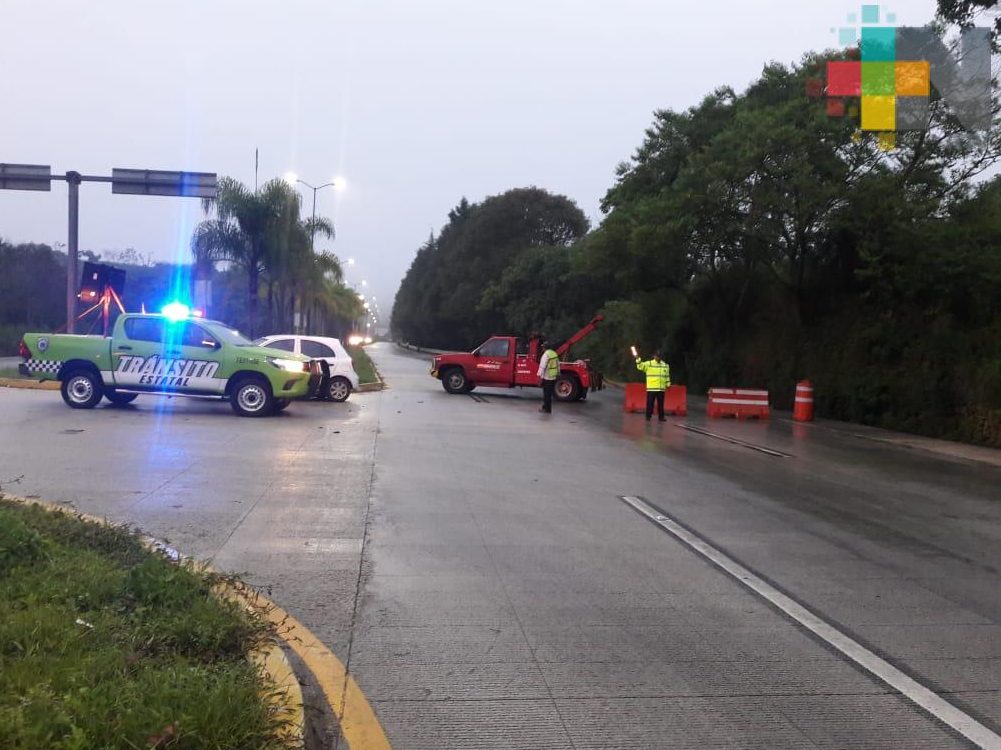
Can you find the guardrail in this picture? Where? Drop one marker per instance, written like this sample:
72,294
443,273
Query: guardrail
421,350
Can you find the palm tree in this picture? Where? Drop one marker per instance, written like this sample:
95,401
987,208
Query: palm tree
309,268
339,306
324,273
251,228
212,241
262,233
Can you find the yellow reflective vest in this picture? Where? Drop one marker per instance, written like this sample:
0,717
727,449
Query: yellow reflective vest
658,374
551,369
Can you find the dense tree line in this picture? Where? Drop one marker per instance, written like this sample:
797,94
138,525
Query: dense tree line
450,295
759,241
32,291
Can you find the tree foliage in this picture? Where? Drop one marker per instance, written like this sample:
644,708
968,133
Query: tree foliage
966,12
32,291
440,298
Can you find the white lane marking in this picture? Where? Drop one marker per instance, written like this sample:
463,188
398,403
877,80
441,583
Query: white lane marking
725,438
911,689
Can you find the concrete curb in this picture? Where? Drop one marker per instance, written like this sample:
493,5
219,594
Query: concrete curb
380,385
29,385
282,691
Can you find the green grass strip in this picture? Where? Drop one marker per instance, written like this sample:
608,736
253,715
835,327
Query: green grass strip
363,365
105,644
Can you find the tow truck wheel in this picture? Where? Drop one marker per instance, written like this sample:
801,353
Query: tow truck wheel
338,389
120,399
251,397
81,389
455,381
567,388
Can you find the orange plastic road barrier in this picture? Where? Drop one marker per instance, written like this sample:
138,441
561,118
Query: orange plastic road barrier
635,397
741,403
802,411
675,399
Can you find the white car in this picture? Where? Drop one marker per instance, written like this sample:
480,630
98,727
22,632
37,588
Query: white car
342,378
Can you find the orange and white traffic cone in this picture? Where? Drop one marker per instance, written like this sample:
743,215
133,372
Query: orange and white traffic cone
803,409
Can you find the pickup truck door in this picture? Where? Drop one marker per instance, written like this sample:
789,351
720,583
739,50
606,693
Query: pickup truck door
494,363
135,353
156,355
200,369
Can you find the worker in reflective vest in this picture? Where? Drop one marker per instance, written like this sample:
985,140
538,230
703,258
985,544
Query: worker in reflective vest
658,380
549,370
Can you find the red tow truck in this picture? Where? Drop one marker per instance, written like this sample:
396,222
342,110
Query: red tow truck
509,361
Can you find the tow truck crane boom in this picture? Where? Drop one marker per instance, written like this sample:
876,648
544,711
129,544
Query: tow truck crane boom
582,333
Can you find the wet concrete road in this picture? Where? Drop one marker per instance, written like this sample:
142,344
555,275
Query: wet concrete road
473,563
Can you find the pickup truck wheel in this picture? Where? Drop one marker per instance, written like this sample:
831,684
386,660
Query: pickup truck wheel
338,389
252,397
455,381
120,399
567,388
82,389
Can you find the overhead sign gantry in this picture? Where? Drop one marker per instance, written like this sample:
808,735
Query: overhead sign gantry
123,182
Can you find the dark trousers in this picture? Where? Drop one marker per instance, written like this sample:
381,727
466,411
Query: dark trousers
657,396
548,386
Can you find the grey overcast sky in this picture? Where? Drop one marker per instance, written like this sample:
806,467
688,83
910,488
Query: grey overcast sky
415,104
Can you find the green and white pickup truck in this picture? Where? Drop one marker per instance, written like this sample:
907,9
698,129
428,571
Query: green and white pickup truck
169,356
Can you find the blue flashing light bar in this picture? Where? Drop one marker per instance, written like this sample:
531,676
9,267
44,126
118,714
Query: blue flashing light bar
176,311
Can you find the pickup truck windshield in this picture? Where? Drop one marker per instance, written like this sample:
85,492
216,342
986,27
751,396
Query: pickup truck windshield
228,335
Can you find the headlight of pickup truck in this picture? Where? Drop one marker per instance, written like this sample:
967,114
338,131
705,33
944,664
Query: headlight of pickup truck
289,365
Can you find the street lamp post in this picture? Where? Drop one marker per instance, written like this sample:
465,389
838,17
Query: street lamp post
292,179
315,189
